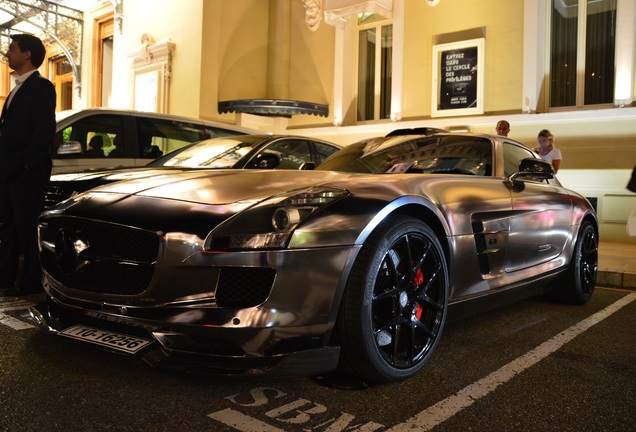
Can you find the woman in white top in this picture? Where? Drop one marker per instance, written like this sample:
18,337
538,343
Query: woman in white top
547,151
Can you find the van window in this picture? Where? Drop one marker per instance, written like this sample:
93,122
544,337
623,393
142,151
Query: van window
158,137
90,137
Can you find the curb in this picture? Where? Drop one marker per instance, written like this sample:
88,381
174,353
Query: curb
614,279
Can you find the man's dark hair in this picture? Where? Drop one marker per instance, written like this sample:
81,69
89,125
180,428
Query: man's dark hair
28,42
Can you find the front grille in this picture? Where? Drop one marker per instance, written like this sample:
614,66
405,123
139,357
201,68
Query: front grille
243,287
118,260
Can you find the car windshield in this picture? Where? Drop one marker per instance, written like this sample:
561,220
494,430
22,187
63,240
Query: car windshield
440,154
221,152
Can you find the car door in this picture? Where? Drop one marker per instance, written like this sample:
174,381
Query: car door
540,219
479,205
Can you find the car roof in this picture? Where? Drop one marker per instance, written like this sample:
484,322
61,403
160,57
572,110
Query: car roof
382,143
65,117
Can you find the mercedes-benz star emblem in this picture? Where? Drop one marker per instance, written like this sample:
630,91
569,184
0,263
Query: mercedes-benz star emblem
68,247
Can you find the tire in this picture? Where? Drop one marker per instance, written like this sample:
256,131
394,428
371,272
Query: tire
395,304
578,286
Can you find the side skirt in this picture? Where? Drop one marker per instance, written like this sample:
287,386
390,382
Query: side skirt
491,300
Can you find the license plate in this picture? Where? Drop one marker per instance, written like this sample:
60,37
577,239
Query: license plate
116,341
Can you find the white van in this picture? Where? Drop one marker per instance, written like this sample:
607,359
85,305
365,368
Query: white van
104,137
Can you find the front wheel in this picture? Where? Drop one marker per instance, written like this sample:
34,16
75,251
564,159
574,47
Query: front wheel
395,304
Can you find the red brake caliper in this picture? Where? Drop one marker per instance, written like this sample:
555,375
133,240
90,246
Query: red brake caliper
418,280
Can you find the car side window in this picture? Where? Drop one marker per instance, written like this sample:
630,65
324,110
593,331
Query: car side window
323,151
158,137
513,154
89,137
293,153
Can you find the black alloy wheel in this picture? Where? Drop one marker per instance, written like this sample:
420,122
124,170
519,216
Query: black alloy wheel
395,303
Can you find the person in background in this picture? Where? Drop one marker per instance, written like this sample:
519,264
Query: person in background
502,128
547,151
27,130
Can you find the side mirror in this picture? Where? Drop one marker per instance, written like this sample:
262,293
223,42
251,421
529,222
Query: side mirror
308,166
69,147
266,161
532,169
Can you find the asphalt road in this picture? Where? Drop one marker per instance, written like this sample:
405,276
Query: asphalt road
531,366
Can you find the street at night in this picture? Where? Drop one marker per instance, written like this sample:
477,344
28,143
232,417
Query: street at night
530,366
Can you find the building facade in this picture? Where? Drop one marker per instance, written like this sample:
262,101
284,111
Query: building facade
344,70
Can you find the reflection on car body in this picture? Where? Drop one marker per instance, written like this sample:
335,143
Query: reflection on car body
355,265
236,152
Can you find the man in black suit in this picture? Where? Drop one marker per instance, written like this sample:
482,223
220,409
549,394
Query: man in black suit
27,130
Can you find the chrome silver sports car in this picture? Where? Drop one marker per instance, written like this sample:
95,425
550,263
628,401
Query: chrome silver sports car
356,265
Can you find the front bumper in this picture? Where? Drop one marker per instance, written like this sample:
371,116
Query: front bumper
193,328
187,352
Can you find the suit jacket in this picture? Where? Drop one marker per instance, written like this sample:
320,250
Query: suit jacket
27,129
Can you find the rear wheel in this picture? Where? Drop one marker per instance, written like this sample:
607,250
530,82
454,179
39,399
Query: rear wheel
578,285
395,304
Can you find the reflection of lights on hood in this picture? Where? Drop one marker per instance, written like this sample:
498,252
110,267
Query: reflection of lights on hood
184,238
75,176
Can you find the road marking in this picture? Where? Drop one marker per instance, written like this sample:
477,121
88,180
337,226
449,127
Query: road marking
312,416
445,409
8,305
241,422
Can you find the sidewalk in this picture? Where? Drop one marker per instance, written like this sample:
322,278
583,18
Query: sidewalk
616,265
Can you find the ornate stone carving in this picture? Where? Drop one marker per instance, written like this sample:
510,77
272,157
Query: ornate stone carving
313,13
144,51
119,15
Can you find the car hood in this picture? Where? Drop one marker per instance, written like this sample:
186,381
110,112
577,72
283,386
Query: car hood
216,187
195,201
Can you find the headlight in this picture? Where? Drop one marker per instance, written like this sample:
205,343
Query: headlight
270,223
285,218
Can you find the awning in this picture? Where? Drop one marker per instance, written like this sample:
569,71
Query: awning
273,107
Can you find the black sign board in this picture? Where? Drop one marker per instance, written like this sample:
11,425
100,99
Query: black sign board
458,78
458,75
